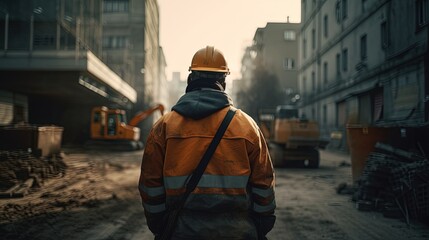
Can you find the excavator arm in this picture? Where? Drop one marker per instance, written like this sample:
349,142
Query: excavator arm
143,115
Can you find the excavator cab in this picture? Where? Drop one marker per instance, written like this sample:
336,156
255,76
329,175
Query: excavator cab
111,124
109,128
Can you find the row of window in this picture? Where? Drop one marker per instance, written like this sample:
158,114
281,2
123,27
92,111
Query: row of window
340,9
116,5
289,63
370,109
341,12
341,64
384,41
341,61
115,42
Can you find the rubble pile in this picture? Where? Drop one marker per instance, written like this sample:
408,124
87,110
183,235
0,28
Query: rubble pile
21,170
396,183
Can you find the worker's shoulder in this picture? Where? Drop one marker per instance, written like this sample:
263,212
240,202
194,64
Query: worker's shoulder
244,117
245,126
162,120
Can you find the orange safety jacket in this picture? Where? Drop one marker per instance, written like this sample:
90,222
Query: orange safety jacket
234,198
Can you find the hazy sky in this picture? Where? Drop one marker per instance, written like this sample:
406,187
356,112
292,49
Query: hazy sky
229,25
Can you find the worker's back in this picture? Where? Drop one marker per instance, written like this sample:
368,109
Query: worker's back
218,208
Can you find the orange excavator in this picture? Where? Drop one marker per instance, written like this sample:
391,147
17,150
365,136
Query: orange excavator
109,128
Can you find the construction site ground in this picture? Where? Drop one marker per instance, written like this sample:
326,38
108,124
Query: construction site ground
97,198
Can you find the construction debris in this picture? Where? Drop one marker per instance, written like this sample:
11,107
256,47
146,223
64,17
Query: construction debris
21,170
395,182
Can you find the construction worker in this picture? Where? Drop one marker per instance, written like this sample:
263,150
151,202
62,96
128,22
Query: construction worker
234,198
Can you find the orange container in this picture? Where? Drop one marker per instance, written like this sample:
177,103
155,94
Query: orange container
361,141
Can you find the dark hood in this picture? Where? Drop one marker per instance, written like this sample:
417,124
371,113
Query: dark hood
202,103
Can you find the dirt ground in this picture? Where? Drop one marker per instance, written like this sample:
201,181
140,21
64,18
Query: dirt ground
97,198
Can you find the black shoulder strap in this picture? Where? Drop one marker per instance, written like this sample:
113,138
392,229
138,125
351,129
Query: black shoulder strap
198,172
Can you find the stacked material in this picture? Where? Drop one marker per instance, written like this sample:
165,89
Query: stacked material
395,180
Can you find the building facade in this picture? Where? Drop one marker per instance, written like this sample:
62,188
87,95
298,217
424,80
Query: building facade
364,62
131,48
50,65
59,59
275,48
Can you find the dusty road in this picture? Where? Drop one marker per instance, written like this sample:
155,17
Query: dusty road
98,199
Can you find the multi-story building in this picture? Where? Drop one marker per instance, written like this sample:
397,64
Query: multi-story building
50,65
365,62
61,58
151,49
275,47
131,48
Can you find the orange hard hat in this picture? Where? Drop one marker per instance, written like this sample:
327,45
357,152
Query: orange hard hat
209,59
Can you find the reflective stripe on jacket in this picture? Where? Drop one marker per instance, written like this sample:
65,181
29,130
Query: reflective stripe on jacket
238,181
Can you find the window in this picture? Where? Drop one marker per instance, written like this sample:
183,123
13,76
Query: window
115,42
345,56
363,48
288,63
313,38
422,12
341,10
116,5
290,35
338,11
364,5
338,63
325,72
325,26
304,48
313,81
325,114
304,8
344,9
384,35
